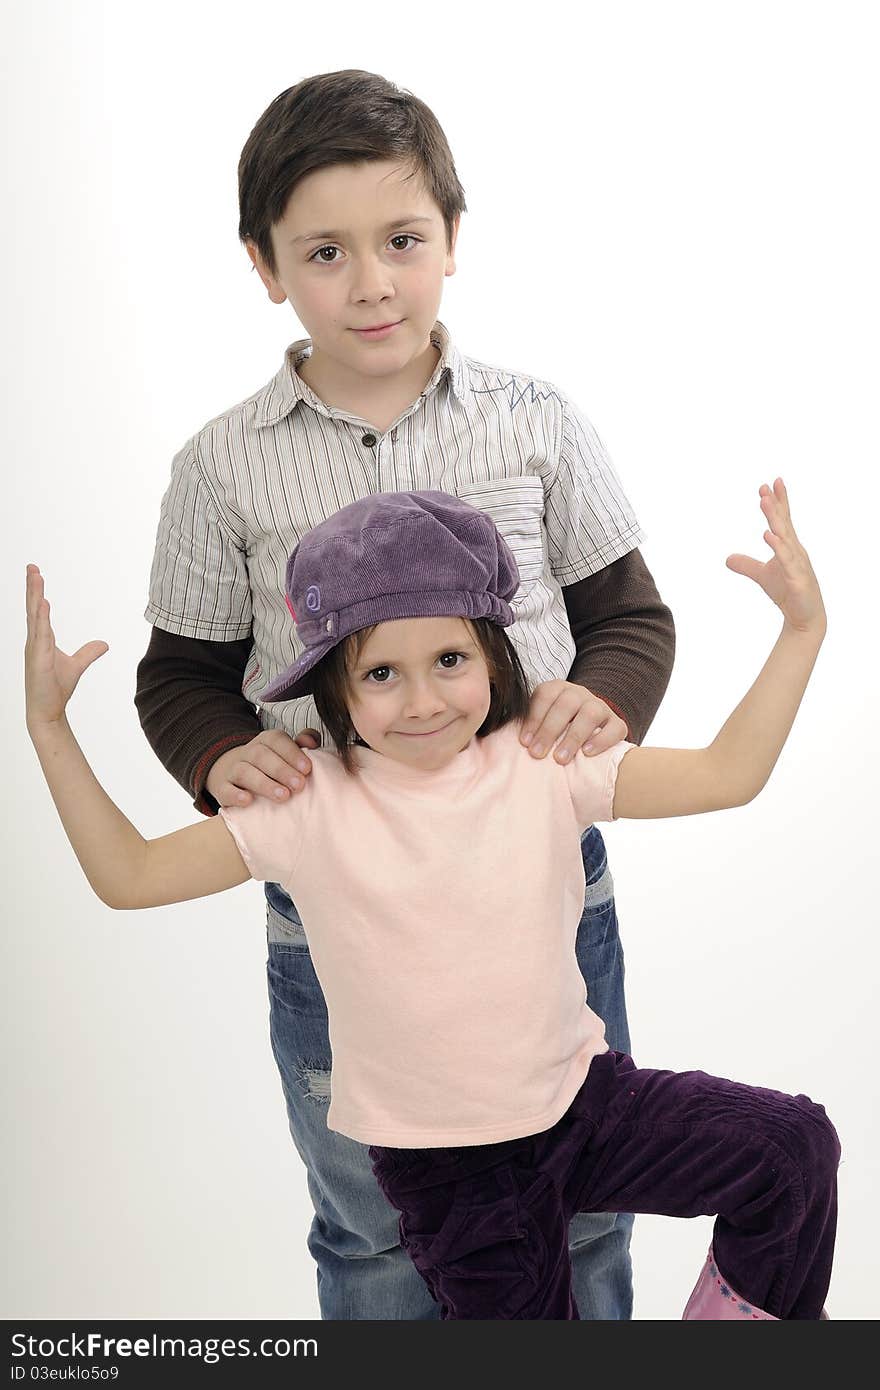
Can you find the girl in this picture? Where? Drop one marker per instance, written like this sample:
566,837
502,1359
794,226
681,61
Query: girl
464,1052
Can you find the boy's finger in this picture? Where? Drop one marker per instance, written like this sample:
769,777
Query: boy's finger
246,777
272,770
602,739
228,794
557,721
280,759
583,727
297,760
287,749
308,738
546,733
541,702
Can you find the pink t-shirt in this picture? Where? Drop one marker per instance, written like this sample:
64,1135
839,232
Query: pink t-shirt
441,910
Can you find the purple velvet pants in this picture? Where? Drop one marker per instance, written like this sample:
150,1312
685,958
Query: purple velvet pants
487,1225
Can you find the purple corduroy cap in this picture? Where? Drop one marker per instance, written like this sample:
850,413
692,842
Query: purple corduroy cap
392,555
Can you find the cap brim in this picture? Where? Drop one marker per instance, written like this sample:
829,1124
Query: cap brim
430,603
297,679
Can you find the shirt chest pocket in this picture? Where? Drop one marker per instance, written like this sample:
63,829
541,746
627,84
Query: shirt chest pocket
516,505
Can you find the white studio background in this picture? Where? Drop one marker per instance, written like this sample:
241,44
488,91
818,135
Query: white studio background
673,215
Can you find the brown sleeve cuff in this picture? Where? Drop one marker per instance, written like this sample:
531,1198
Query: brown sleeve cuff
625,640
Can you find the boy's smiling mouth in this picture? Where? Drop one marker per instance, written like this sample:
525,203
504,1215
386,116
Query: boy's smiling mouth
379,331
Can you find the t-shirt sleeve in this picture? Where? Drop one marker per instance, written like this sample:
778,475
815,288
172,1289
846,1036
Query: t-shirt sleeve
269,835
199,584
588,517
591,783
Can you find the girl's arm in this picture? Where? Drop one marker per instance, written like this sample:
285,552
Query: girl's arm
125,870
732,770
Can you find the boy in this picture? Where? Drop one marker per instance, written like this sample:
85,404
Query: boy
350,208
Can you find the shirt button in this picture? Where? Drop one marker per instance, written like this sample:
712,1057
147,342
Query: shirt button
369,440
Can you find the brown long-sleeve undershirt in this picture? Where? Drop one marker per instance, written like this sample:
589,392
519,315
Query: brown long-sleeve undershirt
191,708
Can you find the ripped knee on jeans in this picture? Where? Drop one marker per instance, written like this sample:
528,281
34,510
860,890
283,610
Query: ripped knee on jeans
314,1081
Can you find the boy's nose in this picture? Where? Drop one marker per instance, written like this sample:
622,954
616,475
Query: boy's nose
372,282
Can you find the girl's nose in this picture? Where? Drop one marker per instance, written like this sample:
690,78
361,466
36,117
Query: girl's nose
422,701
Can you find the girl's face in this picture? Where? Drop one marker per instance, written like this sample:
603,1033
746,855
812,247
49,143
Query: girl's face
419,690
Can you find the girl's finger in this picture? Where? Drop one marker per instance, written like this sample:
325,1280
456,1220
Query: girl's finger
780,492
33,593
747,565
87,654
44,627
776,514
775,503
785,552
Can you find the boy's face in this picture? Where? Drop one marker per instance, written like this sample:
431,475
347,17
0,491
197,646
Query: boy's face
419,690
360,247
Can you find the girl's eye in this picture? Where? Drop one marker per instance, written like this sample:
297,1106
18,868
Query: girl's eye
451,660
379,675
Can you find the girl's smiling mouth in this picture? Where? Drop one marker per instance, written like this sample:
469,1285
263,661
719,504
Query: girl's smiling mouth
427,733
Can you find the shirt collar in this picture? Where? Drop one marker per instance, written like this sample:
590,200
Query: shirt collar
287,389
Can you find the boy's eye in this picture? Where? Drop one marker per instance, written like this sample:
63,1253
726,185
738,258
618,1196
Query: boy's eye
327,255
450,660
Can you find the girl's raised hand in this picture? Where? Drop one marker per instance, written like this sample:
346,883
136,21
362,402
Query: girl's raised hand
50,675
788,577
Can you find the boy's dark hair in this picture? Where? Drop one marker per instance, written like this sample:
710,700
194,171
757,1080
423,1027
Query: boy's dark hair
509,686
346,117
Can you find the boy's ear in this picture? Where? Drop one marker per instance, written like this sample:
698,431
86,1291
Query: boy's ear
450,255
273,288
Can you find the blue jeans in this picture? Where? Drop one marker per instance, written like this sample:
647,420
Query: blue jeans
362,1271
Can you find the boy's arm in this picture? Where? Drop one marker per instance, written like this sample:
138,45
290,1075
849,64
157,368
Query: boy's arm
655,782
200,584
189,702
625,639
125,870
205,732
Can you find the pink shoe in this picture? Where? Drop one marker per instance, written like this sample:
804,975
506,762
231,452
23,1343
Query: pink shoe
713,1300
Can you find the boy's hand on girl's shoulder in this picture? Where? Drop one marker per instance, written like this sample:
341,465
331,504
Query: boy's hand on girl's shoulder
273,765
561,710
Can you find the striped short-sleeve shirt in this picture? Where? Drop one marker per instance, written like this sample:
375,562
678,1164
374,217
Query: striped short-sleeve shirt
247,487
